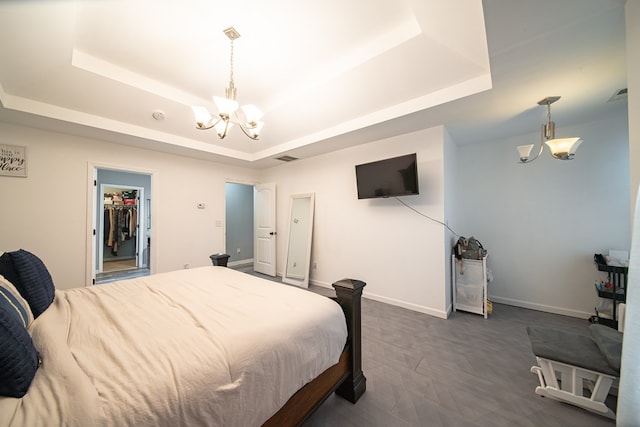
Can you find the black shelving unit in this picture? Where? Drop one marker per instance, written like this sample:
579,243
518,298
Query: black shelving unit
617,276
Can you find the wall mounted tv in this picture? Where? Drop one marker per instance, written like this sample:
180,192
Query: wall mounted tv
397,176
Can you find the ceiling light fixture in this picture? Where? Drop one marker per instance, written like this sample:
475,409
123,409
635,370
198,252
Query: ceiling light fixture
561,148
247,117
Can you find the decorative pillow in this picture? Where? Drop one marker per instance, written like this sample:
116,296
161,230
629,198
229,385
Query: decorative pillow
11,298
30,277
18,356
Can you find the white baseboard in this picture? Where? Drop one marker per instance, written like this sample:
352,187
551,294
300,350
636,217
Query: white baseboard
392,301
242,261
445,314
541,307
414,307
321,284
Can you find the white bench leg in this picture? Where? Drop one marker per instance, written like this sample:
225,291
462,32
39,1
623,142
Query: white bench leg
570,389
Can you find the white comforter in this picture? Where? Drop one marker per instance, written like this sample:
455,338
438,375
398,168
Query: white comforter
207,346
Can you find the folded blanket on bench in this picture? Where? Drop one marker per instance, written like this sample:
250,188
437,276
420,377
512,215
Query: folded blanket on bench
609,342
577,369
599,352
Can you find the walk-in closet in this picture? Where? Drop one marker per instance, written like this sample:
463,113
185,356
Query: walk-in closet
120,232
123,228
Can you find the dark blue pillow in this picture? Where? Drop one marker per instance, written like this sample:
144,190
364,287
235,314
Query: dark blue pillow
30,277
18,356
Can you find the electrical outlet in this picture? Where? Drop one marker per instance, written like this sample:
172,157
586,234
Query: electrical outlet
238,250
186,266
315,265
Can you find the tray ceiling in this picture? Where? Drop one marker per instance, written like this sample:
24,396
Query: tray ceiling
327,74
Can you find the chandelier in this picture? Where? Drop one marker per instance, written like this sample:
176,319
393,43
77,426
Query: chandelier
560,148
246,117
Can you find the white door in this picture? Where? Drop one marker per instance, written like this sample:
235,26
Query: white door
264,247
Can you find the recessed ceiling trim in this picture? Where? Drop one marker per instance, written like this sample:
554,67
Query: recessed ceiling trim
466,88
65,114
114,72
463,89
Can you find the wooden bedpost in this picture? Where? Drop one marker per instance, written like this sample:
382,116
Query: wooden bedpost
345,377
348,295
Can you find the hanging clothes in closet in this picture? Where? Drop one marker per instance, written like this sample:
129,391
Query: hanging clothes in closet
120,224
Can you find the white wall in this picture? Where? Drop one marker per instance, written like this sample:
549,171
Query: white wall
46,213
398,253
542,222
562,211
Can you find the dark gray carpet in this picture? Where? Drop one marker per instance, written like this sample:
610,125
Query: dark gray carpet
465,371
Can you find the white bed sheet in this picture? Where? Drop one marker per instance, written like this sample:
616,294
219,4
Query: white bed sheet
205,346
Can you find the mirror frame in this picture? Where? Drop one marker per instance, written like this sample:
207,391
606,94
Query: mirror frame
301,281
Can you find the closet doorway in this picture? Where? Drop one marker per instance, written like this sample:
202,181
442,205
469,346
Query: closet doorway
121,246
122,225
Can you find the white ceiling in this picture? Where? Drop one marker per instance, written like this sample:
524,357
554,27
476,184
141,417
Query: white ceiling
327,74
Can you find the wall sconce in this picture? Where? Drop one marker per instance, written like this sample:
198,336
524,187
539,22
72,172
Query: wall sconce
560,148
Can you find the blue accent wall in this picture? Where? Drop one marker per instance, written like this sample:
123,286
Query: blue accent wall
239,218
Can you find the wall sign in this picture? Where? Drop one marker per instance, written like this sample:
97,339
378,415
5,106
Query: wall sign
13,160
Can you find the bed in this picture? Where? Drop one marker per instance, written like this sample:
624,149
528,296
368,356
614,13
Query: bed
204,346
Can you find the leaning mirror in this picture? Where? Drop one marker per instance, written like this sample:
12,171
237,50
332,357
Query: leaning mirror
298,253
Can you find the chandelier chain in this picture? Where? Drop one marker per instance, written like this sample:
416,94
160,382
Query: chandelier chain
231,63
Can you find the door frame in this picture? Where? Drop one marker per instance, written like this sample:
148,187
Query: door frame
92,213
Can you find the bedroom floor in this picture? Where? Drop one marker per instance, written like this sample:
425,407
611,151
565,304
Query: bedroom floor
465,371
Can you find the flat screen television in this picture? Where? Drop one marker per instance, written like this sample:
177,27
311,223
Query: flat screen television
397,176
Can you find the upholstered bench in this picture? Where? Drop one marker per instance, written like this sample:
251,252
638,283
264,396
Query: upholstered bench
588,366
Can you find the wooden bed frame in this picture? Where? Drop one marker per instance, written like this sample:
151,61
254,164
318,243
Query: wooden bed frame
345,377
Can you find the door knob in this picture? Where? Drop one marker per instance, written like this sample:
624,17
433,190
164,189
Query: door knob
273,233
